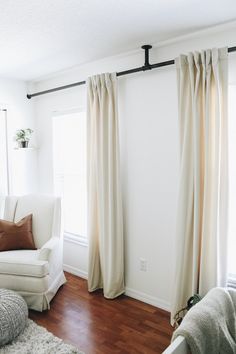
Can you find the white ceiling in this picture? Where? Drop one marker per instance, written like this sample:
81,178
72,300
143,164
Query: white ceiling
39,37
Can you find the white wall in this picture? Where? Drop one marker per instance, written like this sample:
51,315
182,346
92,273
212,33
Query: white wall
149,158
20,114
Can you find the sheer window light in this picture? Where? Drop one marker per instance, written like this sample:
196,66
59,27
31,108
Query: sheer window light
232,185
69,158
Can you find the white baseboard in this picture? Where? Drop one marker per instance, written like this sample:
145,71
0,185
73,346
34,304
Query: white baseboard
135,294
148,299
75,271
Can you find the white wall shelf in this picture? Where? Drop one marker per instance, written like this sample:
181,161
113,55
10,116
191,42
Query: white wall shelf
28,148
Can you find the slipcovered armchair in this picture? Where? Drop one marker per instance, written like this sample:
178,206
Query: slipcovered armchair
35,274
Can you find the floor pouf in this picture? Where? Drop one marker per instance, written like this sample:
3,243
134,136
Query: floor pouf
13,315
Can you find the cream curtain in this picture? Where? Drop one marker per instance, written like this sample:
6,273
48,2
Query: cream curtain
201,249
105,225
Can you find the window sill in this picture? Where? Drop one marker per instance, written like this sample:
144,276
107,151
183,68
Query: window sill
76,239
231,283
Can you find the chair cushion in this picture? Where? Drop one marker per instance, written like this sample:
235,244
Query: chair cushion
24,263
23,284
15,236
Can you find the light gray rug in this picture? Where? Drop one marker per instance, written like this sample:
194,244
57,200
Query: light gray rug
37,340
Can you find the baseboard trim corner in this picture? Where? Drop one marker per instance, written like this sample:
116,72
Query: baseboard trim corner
80,273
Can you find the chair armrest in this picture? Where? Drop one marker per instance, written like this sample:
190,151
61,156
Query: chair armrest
52,253
178,346
47,249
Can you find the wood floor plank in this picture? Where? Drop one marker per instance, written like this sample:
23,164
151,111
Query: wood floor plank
100,326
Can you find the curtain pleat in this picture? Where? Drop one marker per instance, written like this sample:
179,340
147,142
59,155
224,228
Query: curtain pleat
201,248
105,223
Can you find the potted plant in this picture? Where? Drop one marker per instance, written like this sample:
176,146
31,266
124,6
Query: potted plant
23,137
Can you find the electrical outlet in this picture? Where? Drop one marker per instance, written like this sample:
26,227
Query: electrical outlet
143,264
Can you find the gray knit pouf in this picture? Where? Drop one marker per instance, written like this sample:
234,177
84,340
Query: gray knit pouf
13,315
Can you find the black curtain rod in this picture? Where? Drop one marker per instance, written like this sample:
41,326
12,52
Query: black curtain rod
145,67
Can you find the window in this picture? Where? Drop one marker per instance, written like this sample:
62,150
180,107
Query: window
4,168
232,185
70,163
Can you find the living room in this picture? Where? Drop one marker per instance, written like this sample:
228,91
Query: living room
120,182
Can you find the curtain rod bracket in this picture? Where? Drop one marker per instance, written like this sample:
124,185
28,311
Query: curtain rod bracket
147,65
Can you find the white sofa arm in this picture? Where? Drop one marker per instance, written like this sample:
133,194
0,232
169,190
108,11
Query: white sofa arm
178,346
48,248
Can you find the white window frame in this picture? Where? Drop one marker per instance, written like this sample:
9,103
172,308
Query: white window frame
3,109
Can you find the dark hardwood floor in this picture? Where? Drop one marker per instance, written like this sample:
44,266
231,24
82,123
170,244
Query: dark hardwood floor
99,326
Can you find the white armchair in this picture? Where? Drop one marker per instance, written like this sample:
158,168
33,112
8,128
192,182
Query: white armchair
35,274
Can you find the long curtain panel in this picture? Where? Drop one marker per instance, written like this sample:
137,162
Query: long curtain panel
105,224
201,249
